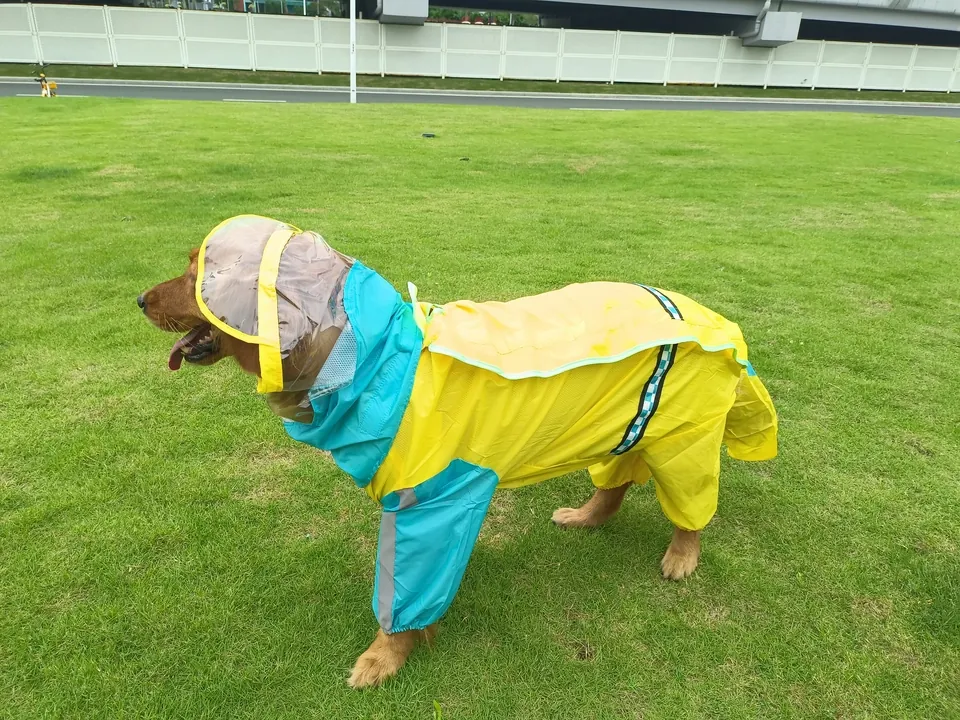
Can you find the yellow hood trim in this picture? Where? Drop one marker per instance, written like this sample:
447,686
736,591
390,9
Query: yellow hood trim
268,337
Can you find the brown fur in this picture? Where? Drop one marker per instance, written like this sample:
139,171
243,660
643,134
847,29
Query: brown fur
678,562
386,655
172,306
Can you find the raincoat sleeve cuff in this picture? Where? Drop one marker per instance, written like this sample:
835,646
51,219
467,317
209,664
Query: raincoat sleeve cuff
427,534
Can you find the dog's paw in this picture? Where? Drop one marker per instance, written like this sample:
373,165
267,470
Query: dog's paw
373,668
571,518
677,565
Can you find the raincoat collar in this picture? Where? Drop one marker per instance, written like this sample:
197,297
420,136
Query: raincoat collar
357,423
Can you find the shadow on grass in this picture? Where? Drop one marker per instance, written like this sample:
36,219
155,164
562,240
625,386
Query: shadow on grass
40,173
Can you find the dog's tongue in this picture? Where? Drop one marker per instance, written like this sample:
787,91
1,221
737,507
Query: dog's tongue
176,354
176,357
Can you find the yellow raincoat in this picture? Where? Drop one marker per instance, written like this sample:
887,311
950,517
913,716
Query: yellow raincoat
625,380
431,408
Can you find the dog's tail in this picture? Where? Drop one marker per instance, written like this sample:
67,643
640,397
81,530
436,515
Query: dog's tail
751,428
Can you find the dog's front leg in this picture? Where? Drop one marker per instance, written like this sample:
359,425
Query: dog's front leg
386,655
427,533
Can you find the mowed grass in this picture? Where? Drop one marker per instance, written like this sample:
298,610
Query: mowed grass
166,550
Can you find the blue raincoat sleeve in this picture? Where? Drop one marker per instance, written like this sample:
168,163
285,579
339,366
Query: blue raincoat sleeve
427,534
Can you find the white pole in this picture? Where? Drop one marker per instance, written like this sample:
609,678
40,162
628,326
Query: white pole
353,51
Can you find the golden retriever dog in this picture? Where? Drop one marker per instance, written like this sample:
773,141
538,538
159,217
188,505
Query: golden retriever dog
658,410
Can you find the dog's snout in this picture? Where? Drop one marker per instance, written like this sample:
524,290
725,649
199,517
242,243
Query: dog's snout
141,302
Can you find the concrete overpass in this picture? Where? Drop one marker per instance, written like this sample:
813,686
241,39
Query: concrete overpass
925,22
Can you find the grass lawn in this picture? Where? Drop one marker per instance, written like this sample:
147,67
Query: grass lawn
166,550
91,72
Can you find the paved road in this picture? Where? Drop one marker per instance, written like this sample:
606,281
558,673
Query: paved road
244,93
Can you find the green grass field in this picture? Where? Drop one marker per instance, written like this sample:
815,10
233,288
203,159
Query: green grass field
166,550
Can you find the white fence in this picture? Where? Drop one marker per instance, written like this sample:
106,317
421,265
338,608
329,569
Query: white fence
185,38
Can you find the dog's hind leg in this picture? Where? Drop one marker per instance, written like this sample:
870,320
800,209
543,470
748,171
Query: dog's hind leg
682,556
598,509
612,478
687,474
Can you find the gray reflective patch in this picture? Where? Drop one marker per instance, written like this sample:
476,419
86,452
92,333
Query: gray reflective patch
408,498
387,559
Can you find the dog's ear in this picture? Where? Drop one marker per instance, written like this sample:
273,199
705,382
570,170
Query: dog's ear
192,268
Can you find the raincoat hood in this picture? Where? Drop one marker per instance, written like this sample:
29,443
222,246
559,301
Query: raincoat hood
266,282
338,347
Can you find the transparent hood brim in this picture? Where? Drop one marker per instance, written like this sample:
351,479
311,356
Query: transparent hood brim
268,331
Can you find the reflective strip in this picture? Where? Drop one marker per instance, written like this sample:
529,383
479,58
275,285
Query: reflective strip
387,558
268,320
408,498
666,303
649,400
387,561
423,550
650,397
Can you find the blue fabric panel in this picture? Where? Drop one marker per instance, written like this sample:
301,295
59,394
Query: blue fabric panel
358,422
427,534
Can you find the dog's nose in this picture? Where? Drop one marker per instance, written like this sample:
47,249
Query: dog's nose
141,302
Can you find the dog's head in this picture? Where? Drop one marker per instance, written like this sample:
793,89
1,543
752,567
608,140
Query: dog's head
172,306
248,267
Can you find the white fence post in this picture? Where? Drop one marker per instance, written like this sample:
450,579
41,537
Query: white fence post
616,58
316,45
909,76
353,52
183,39
34,33
666,65
503,50
816,70
443,51
252,41
382,35
560,55
108,26
716,72
766,74
863,69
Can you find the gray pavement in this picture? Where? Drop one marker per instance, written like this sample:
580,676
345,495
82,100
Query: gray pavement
249,93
